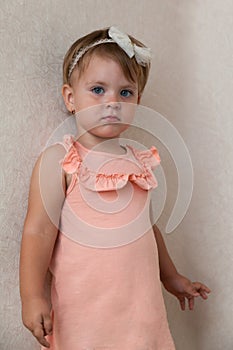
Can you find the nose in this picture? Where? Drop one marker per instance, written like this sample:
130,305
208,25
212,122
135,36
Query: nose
113,101
113,105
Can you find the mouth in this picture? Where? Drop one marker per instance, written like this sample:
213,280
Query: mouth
111,119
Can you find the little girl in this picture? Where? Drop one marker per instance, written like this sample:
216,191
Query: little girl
88,215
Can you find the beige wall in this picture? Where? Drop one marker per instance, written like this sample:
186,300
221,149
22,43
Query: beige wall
191,84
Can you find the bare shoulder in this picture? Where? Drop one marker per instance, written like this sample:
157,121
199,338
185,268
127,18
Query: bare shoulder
52,158
50,169
49,160
54,152
47,188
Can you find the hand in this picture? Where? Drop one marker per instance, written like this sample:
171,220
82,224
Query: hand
36,317
182,288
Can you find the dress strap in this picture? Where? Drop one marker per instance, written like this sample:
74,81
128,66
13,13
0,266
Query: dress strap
68,141
72,160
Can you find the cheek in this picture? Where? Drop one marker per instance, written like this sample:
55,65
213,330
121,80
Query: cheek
82,100
88,117
128,111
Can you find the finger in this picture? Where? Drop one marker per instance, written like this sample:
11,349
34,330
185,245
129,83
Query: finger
182,303
47,324
205,288
192,291
38,333
191,303
202,289
203,295
201,286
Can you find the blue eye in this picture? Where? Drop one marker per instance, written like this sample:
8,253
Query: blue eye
97,90
126,93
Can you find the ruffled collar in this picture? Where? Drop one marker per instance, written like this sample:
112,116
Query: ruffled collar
146,160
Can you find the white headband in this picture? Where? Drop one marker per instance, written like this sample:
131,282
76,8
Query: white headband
142,54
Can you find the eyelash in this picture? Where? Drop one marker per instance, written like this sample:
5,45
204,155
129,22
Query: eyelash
97,88
94,89
128,91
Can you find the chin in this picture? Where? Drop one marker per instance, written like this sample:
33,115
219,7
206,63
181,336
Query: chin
109,130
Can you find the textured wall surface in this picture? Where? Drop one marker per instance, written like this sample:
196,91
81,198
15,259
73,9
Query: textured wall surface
191,84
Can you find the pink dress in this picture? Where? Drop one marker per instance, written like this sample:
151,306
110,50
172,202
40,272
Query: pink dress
106,290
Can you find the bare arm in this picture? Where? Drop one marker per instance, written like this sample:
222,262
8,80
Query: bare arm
175,283
46,197
166,265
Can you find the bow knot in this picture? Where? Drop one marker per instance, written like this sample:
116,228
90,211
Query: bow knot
142,54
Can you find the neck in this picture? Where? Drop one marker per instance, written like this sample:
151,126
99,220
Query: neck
108,145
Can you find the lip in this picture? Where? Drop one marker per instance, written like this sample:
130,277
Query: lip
111,118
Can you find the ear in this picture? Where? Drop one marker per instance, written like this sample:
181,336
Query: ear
68,96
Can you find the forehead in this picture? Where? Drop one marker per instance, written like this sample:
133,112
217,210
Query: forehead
96,67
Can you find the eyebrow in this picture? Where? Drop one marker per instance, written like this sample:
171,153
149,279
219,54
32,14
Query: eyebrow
94,82
126,86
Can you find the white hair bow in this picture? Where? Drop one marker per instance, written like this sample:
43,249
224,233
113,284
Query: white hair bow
142,54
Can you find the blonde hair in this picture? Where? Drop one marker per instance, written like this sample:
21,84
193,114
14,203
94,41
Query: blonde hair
131,69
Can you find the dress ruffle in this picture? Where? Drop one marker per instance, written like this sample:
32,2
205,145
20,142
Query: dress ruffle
147,159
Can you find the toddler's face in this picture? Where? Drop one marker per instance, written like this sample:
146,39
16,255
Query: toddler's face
103,98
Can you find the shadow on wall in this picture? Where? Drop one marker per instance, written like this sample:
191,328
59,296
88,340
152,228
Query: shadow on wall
171,92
